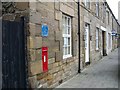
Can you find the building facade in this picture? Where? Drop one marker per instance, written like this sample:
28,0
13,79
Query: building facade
119,12
119,22
61,19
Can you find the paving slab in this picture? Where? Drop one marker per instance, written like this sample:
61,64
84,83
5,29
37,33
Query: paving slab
103,74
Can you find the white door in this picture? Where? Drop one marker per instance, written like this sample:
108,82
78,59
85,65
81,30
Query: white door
86,43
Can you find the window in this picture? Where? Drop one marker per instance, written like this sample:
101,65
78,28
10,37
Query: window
97,38
112,23
104,13
109,37
87,3
66,32
97,8
107,17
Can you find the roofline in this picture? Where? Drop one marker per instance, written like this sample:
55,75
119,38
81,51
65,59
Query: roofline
112,12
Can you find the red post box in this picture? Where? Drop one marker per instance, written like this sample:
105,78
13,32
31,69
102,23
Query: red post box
45,58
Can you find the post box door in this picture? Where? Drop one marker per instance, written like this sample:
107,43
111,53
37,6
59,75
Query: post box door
45,58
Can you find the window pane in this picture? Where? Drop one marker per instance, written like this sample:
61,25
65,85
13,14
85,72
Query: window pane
68,41
68,50
97,8
68,21
65,42
68,30
63,29
96,43
65,50
85,2
97,37
88,4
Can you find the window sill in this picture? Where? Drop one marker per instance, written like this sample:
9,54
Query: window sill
97,49
67,56
97,16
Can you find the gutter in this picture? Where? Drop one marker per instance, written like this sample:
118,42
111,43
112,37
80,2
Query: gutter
79,70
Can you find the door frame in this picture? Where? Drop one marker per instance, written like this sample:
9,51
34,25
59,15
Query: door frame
88,35
24,20
104,52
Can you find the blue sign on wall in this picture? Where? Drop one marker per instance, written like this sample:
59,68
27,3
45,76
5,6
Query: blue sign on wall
44,32
113,32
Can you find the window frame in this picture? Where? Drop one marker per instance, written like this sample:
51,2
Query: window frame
109,37
66,33
87,3
97,8
97,38
108,17
103,12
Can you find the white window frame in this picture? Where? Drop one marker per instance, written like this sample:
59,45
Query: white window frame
109,37
103,11
87,3
97,8
108,17
66,36
97,38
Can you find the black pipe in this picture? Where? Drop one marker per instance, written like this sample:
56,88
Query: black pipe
79,70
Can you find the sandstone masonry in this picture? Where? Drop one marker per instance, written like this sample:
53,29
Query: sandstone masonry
51,13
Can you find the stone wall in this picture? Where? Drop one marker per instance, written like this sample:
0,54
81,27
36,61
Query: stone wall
114,39
50,13
12,11
119,12
59,70
89,16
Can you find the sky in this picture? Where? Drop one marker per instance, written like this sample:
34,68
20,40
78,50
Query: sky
114,6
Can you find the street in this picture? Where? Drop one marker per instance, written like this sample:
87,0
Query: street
103,74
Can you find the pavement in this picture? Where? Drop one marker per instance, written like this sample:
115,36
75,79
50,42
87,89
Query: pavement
103,74
0,74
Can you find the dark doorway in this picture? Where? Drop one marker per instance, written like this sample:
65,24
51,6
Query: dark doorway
13,55
104,43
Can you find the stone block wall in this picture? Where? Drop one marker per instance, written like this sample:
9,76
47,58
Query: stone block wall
114,39
50,13
59,70
89,16
14,10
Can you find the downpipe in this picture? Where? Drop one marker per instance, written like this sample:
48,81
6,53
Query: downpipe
79,69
